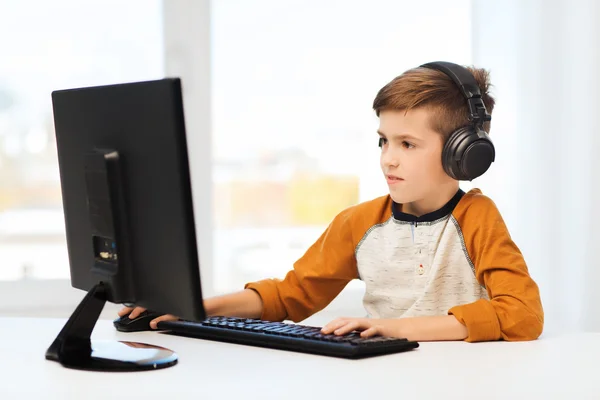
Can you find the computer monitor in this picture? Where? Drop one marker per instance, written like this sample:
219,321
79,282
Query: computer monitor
129,217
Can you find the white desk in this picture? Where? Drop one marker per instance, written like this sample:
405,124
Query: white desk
549,368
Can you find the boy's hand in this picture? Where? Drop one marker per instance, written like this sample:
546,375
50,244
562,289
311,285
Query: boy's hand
368,327
134,312
439,327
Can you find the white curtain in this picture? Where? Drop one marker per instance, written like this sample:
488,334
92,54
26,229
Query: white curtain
544,58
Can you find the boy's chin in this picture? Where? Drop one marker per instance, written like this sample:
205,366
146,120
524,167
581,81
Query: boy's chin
402,198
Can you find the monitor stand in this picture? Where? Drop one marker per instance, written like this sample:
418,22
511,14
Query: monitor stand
73,347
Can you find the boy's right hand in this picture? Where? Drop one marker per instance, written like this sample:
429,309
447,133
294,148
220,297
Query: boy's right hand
134,312
244,304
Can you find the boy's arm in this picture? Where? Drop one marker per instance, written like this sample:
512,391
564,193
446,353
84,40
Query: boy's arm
514,311
244,304
317,277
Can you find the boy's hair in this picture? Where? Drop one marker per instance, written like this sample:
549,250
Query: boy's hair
434,90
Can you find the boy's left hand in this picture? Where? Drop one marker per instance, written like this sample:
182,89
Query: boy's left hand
439,327
368,327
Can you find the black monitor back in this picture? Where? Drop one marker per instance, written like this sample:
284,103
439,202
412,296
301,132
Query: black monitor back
127,196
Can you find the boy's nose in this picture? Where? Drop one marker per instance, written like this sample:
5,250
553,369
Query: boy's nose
389,160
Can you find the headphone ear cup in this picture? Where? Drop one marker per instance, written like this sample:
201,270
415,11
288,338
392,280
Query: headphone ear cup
450,156
467,154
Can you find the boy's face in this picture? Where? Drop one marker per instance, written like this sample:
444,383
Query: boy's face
411,156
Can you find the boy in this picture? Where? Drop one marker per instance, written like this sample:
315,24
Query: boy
438,263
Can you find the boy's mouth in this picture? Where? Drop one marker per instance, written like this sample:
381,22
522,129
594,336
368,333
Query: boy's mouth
391,179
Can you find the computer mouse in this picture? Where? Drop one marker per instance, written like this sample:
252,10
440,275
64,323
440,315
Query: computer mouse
138,324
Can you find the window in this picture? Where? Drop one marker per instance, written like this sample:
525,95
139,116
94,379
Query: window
56,45
293,129
293,140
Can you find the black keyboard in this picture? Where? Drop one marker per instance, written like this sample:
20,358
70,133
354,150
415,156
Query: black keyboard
285,336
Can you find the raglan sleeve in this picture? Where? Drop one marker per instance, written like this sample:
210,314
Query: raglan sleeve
514,310
316,278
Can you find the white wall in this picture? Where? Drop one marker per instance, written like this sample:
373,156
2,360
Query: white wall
544,60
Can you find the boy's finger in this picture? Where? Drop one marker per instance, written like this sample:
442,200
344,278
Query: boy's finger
369,332
166,317
136,312
349,327
333,325
124,311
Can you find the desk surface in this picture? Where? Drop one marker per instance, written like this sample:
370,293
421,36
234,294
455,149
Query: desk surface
551,367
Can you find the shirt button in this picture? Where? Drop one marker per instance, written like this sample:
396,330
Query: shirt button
420,270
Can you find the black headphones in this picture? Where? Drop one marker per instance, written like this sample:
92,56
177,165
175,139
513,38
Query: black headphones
468,152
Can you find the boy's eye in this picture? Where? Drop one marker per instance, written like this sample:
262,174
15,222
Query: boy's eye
382,141
408,145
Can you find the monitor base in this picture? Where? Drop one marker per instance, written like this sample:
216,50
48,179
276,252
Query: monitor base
73,347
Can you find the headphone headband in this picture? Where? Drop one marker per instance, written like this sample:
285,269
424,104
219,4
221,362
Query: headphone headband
468,151
468,86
